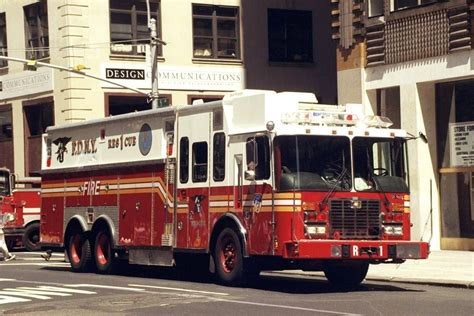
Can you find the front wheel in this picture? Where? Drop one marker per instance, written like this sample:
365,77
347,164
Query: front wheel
31,237
79,252
228,258
104,255
346,275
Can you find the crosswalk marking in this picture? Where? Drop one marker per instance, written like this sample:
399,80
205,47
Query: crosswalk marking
177,289
42,292
12,299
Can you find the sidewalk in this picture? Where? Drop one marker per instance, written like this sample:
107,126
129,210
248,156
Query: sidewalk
448,268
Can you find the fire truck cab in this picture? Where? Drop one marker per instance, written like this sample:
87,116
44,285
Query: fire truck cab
20,197
258,181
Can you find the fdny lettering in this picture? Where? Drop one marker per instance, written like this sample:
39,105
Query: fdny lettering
91,187
121,142
83,147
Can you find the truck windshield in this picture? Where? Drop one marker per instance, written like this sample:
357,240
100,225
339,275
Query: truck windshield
380,164
4,183
312,163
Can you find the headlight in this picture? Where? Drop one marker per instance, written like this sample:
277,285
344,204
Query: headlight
395,230
315,230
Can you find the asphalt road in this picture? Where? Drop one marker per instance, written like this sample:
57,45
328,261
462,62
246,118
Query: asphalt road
32,286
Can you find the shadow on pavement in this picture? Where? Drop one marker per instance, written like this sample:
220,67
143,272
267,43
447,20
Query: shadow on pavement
294,284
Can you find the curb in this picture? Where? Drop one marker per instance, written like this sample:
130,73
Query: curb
443,283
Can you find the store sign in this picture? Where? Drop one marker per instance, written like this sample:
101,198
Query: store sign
26,83
175,77
461,140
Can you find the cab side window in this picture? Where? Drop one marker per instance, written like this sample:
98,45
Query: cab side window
258,156
199,162
218,169
184,160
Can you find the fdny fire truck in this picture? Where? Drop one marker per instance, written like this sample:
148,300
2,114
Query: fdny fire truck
20,197
258,181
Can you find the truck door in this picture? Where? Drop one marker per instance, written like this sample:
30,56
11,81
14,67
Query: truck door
193,184
258,207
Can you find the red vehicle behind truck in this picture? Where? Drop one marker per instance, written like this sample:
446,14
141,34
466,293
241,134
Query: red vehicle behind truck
258,181
21,197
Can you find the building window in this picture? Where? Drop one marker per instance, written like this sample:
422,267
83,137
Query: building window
376,8
290,36
6,130
216,32
39,114
184,160
36,24
38,118
219,157
128,103
403,4
200,162
3,39
129,34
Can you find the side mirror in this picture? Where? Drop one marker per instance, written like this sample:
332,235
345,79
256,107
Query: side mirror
12,181
423,137
249,175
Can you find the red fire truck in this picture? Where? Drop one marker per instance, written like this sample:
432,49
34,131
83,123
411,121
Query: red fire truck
258,181
21,197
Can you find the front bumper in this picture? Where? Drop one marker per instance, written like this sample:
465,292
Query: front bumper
13,231
356,249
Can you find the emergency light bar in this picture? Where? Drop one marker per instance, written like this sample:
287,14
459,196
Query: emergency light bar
319,118
334,118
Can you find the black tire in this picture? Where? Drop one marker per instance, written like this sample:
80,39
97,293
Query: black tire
79,252
228,258
346,275
104,255
31,237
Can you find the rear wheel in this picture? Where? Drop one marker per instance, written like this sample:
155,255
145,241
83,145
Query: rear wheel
31,237
79,252
228,258
346,275
104,255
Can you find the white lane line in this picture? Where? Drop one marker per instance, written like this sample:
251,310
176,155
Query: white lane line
10,299
59,264
64,290
111,287
178,289
39,253
24,294
34,290
9,280
285,307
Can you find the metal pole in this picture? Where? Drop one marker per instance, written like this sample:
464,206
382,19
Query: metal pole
154,64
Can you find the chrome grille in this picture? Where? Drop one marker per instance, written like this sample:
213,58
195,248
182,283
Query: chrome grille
354,223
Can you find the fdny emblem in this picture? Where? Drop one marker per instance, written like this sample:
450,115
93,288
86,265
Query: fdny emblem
61,143
145,139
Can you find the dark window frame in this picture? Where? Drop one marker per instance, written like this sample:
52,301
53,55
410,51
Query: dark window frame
135,11
218,155
3,39
108,102
184,160
6,130
290,36
215,19
200,161
36,30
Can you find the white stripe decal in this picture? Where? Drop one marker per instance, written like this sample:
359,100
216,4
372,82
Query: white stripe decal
31,210
219,203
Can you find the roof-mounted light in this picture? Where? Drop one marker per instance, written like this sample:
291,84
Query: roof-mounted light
377,121
319,118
